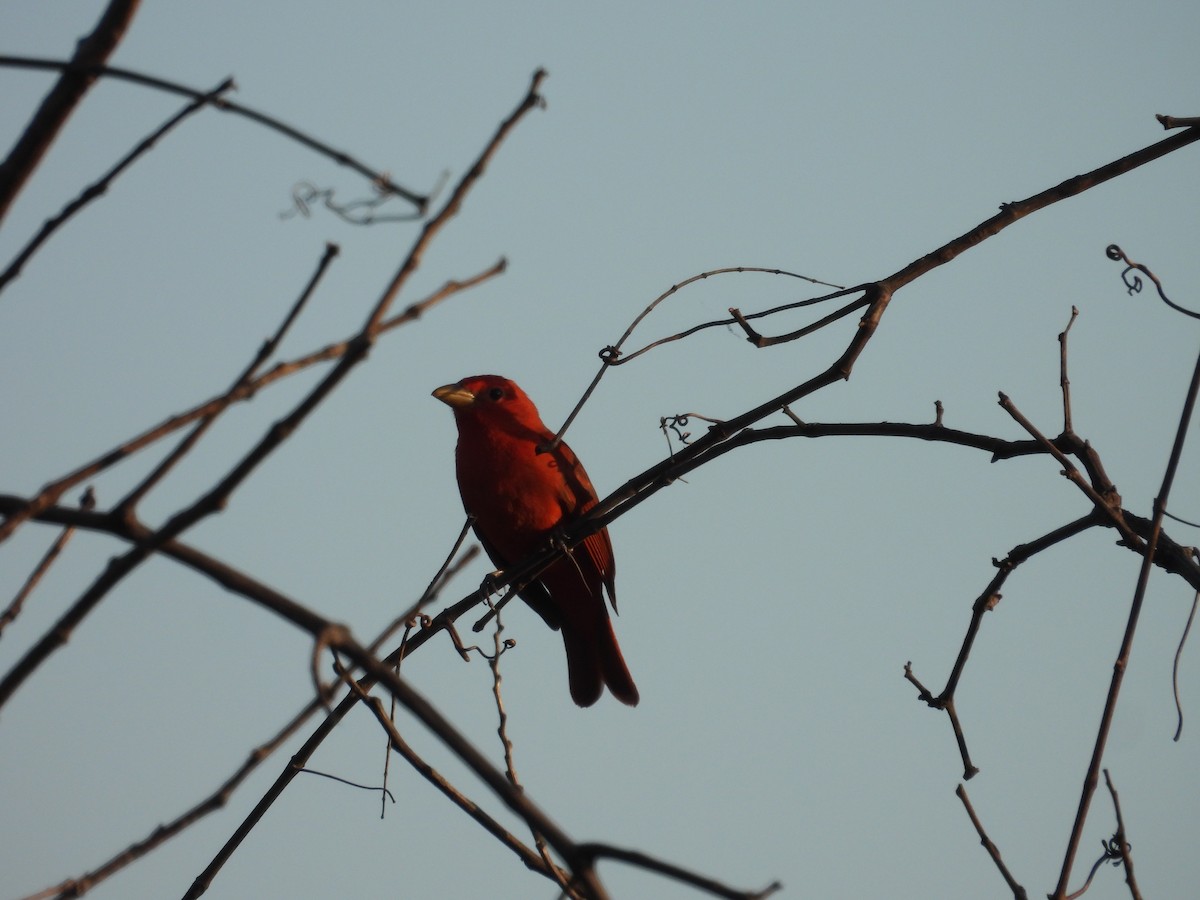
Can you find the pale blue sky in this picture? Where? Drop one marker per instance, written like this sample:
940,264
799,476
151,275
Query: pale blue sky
770,603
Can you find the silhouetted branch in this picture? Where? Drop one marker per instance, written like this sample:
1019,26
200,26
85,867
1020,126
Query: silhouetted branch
992,849
126,506
1120,842
77,887
1064,382
645,861
1116,851
99,188
78,75
50,493
612,355
91,72
1169,122
13,609
1135,608
987,600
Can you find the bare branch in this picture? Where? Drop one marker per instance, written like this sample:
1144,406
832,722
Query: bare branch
1121,841
612,354
93,71
532,860
50,493
1063,381
13,609
645,861
987,600
126,506
992,849
77,887
99,188
78,75
1122,661
1011,212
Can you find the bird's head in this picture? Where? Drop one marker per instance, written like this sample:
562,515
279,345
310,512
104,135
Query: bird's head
489,399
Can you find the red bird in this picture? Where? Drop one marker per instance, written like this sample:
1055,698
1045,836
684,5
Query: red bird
518,497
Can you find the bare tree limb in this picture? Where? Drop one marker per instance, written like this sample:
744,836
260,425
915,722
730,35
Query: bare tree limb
100,187
77,887
50,493
992,849
96,70
670,870
10,613
77,77
1122,662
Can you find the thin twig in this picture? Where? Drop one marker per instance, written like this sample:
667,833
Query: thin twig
354,784
77,887
1122,660
529,857
445,572
670,870
1121,840
100,187
13,609
760,340
1107,504
130,501
992,849
1175,665
50,493
93,71
613,356
1063,381
984,603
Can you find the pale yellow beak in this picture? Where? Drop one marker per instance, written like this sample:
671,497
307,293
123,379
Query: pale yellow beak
454,395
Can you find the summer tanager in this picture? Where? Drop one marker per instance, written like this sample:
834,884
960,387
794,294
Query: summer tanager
519,497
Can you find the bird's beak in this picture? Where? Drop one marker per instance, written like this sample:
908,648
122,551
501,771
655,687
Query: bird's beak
454,395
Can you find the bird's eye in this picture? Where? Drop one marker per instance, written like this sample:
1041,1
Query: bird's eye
496,394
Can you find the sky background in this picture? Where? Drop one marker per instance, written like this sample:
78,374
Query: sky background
768,604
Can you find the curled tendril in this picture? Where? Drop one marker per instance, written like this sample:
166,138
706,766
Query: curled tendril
1114,850
676,424
356,212
505,645
680,421
1134,283
609,355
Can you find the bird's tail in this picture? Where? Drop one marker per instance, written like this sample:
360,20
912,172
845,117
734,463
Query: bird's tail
594,660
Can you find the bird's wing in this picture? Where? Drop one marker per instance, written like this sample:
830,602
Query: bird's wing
535,594
576,497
